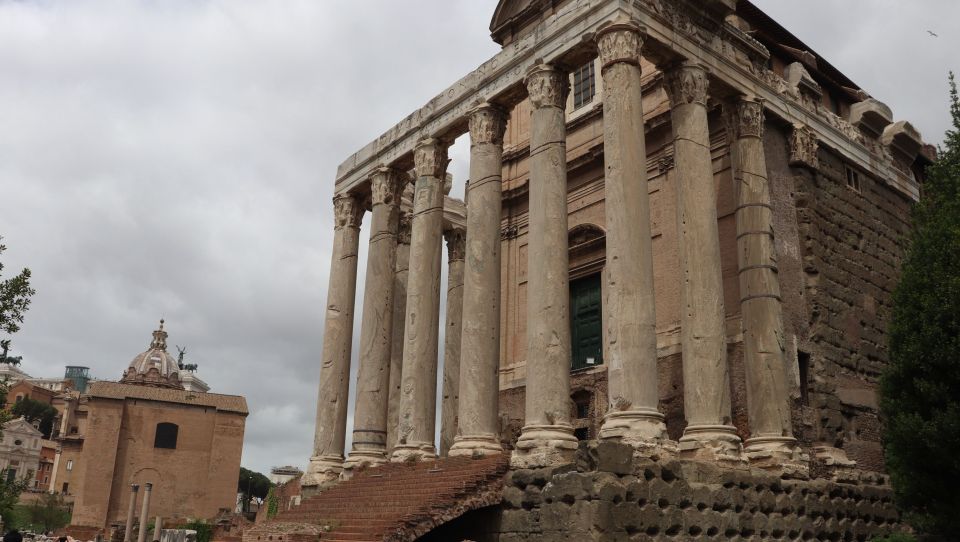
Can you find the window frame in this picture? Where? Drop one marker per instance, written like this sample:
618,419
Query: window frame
165,436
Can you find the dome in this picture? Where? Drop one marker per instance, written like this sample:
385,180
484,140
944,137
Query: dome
155,367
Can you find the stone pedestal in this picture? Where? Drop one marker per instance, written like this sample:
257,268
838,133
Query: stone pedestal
547,436
376,331
771,443
449,407
417,419
480,353
706,376
330,436
399,321
631,335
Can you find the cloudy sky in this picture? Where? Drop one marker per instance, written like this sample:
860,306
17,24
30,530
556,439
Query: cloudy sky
176,159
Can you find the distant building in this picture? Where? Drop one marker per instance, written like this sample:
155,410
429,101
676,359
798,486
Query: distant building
282,475
148,428
20,450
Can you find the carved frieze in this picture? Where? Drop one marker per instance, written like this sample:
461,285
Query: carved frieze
347,211
430,159
620,43
487,125
749,118
547,87
386,186
404,231
687,84
456,244
803,147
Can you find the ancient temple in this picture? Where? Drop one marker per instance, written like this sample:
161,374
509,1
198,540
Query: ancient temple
682,230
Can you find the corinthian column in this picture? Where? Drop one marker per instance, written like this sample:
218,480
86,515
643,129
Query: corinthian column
547,436
706,377
373,376
328,441
480,354
399,321
631,337
451,351
418,400
771,433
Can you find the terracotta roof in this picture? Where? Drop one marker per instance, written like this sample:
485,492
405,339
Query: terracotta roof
117,390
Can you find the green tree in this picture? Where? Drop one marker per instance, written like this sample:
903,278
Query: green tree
15,294
10,494
253,485
48,513
36,412
921,385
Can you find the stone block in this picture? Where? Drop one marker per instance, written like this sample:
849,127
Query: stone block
568,488
519,521
615,457
512,497
561,517
607,487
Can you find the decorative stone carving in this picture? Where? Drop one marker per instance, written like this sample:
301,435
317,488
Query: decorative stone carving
430,159
749,117
803,147
387,185
687,83
487,125
347,211
455,244
547,87
620,43
403,232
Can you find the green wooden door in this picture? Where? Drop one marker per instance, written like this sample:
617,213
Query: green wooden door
586,324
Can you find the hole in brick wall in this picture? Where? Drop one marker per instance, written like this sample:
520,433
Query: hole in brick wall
582,433
803,360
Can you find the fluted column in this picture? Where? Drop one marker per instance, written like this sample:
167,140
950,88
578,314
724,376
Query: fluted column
328,442
452,335
547,436
631,320
771,432
706,377
145,511
131,512
418,400
478,431
373,376
399,321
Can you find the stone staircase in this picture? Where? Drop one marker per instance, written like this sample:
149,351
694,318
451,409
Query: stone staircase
397,502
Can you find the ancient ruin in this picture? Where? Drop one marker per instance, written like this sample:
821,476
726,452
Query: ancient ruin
667,301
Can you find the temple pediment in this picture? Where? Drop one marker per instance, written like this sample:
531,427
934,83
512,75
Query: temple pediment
512,15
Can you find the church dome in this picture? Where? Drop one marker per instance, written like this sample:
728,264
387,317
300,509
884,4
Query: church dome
155,367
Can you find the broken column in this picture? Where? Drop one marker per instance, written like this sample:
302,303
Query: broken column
706,377
631,320
547,436
452,335
373,376
478,414
417,416
326,463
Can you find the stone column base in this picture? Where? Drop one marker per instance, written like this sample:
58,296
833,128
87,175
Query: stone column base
711,443
643,429
778,454
545,446
422,451
323,471
361,458
475,446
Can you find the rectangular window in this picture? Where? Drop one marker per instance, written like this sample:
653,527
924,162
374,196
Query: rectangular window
803,360
66,486
70,464
586,325
584,85
853,179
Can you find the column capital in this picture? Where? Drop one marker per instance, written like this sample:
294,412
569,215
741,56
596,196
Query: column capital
687,83
748,117
404,229
348,211
620,42
430,158
488,123
547,86
456,243
135,487
387,185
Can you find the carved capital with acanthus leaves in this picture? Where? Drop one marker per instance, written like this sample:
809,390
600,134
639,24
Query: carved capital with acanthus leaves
547,87
405,229
749,117
430,158
804,145
347,211
487,125
386,186
620,43
687,83
456,244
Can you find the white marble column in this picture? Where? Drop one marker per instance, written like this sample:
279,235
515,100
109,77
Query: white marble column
131,513
547,436
631,320
478,415
373,376
418,400
145,512
768,399
451,351
399,321
706,376
326,464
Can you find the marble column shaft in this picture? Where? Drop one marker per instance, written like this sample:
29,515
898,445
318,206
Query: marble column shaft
417,418
547,436
376,330
399,321
760,302
631,320
706,377
480,353
145,511
452,335
131,513
329,439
